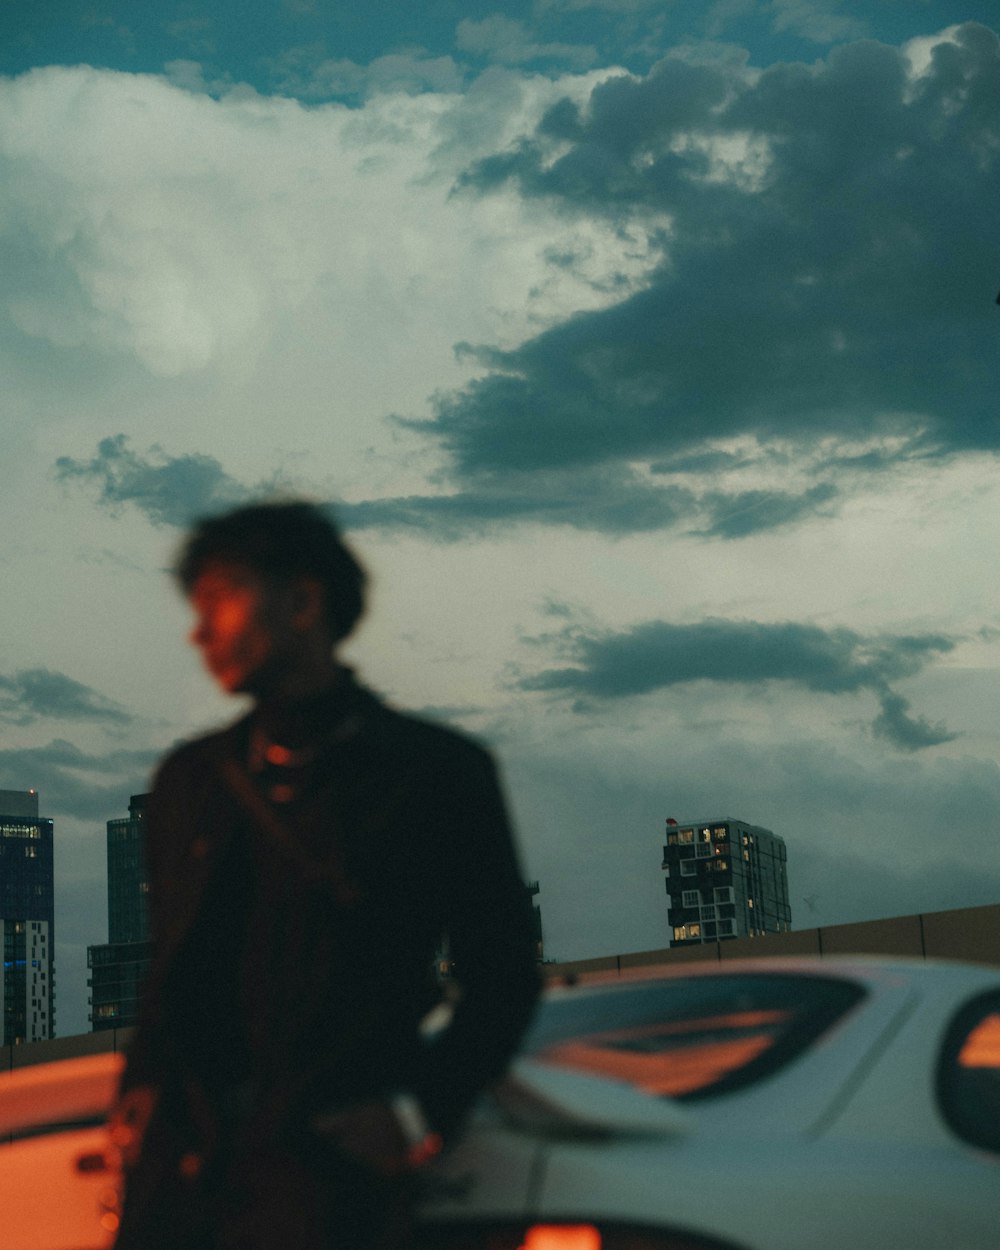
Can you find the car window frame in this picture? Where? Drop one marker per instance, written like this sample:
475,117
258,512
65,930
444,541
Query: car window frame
962,1109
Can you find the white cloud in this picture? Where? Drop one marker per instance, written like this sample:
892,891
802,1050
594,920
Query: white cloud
148,221
920,51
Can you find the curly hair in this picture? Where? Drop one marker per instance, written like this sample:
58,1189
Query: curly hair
281,539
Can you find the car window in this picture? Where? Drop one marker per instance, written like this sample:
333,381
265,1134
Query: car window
969,1072
691,1038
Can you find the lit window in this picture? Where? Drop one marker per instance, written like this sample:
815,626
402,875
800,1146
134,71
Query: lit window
685,932
685,835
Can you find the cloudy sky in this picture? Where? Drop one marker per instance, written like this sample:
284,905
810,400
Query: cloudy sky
646,348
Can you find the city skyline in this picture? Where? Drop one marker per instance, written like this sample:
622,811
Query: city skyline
645,351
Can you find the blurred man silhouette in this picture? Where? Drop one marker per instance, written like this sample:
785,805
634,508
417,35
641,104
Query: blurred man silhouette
304,864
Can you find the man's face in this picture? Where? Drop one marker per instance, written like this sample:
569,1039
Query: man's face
244,627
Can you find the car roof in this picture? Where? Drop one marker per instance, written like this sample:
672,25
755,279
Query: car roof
869,969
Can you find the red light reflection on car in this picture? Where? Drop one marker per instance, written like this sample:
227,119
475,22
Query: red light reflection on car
676,1058
562,1237
982,1046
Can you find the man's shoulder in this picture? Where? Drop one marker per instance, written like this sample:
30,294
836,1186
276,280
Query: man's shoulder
412,734
196,756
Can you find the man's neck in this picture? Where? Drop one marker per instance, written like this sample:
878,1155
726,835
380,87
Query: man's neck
300,684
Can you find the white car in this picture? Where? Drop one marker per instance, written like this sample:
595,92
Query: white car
748,1105
58,1190
753,1105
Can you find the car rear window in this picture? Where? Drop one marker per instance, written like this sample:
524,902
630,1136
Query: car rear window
969,1072
691,1038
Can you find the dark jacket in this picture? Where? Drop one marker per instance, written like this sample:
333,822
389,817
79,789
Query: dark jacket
303,977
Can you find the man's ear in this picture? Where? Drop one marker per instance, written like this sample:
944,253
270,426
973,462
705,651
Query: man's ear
308,603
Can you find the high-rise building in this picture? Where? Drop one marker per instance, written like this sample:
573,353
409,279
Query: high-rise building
118,969
725,879
27,920
128,885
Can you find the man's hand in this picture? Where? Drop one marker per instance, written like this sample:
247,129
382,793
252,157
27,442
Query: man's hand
370,1134
128,1121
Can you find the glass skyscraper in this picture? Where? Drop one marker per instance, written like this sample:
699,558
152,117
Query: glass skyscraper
118,969
27,920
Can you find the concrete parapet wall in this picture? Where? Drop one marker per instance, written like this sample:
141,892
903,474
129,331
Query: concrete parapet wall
972,934
12,1057
968,934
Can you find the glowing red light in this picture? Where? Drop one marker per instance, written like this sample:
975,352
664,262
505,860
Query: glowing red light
982,1046
562,1237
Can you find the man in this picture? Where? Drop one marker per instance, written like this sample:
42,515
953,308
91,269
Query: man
304,865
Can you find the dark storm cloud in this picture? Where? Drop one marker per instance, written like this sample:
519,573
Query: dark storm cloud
36,693
71,782
615,503
831,274
169,490
910,733
658,655
174,490
752,511
509,41
609,503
